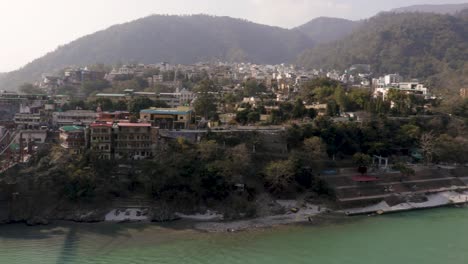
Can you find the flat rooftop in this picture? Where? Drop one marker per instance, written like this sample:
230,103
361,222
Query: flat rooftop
167,111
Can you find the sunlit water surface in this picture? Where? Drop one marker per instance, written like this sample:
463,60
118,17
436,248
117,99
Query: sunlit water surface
437,236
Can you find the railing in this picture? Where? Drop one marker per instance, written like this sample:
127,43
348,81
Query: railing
13,137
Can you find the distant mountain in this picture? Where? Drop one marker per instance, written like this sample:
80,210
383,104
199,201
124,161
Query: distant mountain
175,39
2,75
438,9
419,45
327,29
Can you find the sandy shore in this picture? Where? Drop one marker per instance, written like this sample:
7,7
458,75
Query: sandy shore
296,213
305,214
127,215
208,216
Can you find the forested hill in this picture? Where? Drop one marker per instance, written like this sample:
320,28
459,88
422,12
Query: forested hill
418,45
439,9
175,39
327,29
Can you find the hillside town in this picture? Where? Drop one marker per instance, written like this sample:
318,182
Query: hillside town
49,113
242,130
248,131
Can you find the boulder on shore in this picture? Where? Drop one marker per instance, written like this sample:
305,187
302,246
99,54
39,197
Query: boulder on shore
37,220
162,213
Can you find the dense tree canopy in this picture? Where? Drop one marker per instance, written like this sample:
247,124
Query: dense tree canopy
416,45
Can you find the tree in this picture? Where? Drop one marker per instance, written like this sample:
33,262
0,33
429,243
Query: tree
74,105
105,103
408,135
362,161
315,148
427,146
319,89
341,99
314,152
299,109
359,98
236,164
253,117
333,108
29,88
242,116
449,149
404,170
461,108
205,105
279,175
252,88
140,103
90,87
121,106
205,86
208,150
401,102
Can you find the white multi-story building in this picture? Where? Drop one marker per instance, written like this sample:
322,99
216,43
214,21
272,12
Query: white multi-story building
179,98
408,87
28,120
74,117
387,80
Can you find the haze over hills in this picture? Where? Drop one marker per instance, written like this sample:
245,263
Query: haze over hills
175,39
327,29
413,44
417,45
438,9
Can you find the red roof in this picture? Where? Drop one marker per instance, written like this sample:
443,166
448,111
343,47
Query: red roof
364,178
107,124
134,124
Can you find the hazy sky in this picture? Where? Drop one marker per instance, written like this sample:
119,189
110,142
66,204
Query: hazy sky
31,28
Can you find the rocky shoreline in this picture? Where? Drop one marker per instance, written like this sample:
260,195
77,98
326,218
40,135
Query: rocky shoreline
208,221
293,212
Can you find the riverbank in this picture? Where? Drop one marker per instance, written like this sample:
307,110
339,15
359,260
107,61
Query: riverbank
212,221
429,201
303,214
293,212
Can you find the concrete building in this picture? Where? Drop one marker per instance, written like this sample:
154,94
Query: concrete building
170,99
28,120
36,136
134,140
168,118
113,116
407,87
101,139
72,138
74,117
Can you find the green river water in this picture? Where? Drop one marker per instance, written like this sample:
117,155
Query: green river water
437,236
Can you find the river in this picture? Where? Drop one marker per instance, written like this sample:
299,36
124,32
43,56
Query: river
434,236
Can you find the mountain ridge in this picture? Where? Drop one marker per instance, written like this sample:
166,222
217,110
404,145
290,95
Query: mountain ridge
437,9
429,46
328,29
175,39
194,38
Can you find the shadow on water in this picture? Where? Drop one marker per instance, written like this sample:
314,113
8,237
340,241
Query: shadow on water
69,248
21,231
